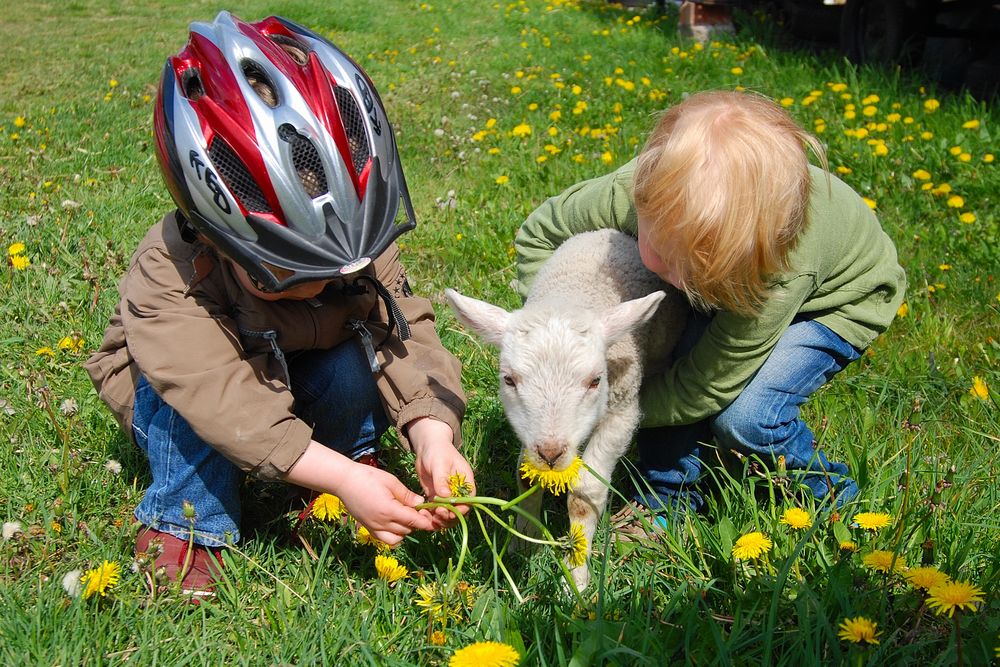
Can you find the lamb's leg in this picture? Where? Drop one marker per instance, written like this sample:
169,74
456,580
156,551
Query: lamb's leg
586,502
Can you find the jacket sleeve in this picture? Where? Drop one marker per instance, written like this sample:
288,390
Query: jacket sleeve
190,352
733,347
419,377
600,203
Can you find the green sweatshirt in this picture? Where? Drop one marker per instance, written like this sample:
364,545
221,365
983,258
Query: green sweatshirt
844,274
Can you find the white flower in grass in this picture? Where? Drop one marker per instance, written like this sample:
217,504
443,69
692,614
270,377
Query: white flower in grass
10,529
113,467
71,583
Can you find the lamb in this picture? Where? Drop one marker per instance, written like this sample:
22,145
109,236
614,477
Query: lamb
573,358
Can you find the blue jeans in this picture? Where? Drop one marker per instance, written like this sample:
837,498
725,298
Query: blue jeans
763,421
334,391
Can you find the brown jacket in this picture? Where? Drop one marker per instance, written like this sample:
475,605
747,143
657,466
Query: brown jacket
186,324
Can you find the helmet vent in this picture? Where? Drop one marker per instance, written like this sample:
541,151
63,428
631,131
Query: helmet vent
260,83
295,50
191,82
237,177
306,161
354,126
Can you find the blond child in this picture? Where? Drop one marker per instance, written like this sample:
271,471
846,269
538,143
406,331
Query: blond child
789,273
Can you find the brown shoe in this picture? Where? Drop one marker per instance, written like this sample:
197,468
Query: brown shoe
204,565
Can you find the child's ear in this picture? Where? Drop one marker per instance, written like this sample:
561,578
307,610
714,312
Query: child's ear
487,320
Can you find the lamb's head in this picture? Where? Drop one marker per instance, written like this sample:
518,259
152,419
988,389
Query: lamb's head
553,367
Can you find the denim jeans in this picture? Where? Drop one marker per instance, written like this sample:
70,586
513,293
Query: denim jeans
334,391
763,421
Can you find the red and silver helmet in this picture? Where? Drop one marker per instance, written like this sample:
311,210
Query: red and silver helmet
275,145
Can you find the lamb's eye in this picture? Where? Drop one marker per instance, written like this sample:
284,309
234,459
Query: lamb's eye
596,382
509,381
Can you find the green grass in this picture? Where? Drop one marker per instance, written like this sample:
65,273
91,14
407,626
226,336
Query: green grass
80,186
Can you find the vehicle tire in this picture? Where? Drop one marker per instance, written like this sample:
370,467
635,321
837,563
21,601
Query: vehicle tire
881,32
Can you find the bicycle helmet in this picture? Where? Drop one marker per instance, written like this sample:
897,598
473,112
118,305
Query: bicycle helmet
275,145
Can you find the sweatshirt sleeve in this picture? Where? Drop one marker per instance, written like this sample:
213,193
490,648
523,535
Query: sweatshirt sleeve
733,347
600,203
229,399
419,377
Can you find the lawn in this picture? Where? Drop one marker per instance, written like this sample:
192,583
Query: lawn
496,107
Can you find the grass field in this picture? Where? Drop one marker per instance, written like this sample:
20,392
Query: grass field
498,106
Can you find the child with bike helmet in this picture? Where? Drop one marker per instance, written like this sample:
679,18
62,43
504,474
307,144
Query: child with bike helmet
266,326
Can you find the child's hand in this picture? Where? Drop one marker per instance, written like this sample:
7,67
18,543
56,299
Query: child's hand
437,460
381,502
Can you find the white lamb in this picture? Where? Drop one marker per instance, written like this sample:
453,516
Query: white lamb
573,358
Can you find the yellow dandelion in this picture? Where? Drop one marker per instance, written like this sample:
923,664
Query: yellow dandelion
859,630
967,218
883,561
607,157
903,310
971,124
979,388
327,507
365,537
922,175
553,481
20,262
521,130
438,638
926,577
872,204
434,600
946,598
389,569
844,170
71,343
795,517
988,158
458,486
736,70
751,546
849,546
15,249
19,121
787,101
931,105
575,545
485,654
872,520
101,579
502,179
45,352
955,201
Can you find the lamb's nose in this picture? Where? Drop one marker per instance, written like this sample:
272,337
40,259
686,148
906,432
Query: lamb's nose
550,450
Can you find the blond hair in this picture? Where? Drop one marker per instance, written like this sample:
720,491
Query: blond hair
722,187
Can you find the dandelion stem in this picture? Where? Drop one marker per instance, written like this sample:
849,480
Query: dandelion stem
516,533
511,503
496,556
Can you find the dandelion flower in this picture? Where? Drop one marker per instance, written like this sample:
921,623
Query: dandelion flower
884,561
971,124
113,466
947,597
45,352
931,105
903,310
328,507
736,70
10,529
967,218
20,262
795,517
101,579
926,577
15,249
522,130
438,638
872,520
955,201
922,175
389,569
435,601
575,545
859,630
19,121
553,481
872,204
500,180
849,546
485,654
979,388
751,546
364,536
458,486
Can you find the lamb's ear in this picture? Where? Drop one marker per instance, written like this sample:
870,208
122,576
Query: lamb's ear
487,320
626,316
